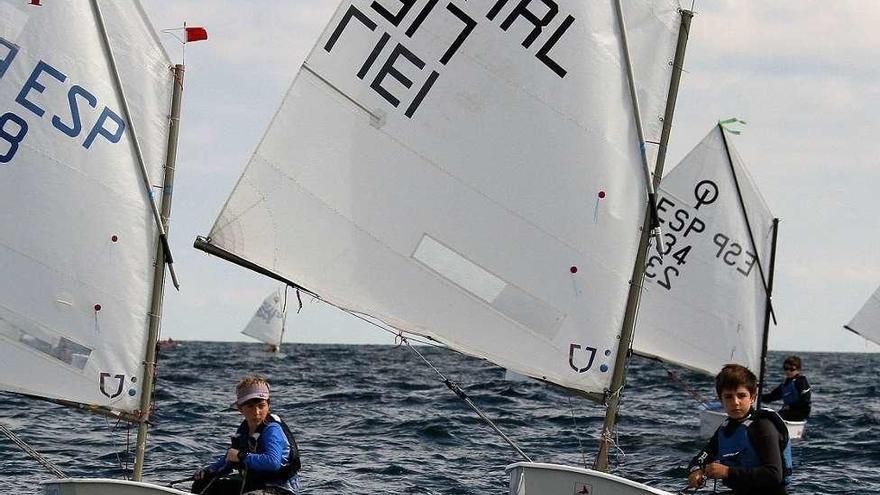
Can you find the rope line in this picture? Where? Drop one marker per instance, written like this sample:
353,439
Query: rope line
400,339
122,460
46,463
574,421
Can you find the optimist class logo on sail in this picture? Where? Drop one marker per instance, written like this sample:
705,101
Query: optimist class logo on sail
44,92
403,70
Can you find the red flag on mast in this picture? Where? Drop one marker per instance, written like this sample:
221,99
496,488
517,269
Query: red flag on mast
195,33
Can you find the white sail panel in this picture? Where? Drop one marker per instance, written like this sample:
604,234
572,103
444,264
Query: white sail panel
459,174
867,321
703,303
78,239
267,324
652,53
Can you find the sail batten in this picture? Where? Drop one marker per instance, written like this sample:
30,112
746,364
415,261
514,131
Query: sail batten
79,239
459,175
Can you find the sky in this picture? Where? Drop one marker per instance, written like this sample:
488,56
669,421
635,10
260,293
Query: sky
803,75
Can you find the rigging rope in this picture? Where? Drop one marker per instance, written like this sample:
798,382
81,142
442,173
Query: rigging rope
46,463
463,396
574,421
690,390
122,460
611,438
401,339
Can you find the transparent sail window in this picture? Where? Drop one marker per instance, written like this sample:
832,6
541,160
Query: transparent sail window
508,299
458,269
43,340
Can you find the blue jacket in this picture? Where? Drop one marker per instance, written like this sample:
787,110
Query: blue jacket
757,450
271,458
796,397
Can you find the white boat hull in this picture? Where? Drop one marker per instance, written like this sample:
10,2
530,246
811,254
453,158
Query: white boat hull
531,478
796,429
99,486
711,420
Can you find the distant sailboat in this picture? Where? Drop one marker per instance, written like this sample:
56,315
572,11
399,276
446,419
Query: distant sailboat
867,321
168,343
267,324
476,174
707,299
91,108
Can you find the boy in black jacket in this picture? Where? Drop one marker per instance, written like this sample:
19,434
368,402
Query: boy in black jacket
794,392
750,452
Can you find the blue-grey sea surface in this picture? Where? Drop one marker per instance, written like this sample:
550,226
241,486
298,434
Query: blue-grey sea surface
377,420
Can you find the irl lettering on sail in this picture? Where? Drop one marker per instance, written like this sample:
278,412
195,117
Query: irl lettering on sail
46,79
391,65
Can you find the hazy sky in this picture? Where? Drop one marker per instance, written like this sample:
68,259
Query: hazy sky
803,74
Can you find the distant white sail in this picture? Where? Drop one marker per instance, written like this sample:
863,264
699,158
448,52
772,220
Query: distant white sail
703,303
267,324
459,173
78,240
867,321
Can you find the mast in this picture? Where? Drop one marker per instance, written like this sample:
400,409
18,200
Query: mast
767,313
767,280
635,288
136,145
158,276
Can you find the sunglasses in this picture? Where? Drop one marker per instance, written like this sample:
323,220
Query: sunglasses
789,368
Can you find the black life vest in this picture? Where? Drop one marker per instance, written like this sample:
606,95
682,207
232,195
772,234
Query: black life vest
290,466
735,447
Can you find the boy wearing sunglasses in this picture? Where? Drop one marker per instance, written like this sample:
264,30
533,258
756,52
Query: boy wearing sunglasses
794,392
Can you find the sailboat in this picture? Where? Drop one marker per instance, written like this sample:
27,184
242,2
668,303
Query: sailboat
91,105
267,324
867,321
477,174
707,297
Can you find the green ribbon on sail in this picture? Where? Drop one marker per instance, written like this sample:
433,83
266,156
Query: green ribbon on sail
728,123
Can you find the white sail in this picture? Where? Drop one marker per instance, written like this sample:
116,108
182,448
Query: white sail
703,303
267,324
867,321
458,173
78,239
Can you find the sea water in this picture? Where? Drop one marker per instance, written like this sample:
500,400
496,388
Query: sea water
377,420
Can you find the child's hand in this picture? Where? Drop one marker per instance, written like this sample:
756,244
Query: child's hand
232,455
695,479
716,470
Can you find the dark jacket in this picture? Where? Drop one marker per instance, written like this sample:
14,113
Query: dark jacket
795,394
271,459
768,441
